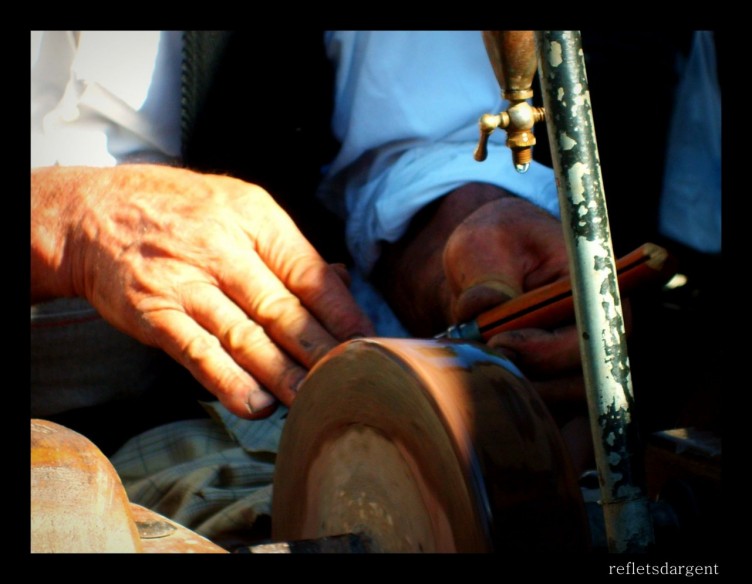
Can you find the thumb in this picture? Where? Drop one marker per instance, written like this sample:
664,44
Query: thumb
482,295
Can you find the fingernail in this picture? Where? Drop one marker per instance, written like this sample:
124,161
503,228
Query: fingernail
482,296
298,382
258,400
264,412
504,289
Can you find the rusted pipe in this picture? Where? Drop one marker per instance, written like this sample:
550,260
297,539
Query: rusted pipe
597,302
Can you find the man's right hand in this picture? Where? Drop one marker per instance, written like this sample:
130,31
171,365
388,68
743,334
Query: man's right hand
476,248
208,268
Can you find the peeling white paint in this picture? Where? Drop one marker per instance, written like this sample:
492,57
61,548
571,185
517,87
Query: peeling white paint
560,94
566,142
554,55
575,175
614,458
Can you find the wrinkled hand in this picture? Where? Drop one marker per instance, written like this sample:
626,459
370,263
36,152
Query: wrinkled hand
503,249
207,268
478,248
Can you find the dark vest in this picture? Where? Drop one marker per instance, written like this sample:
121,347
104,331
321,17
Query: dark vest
257,105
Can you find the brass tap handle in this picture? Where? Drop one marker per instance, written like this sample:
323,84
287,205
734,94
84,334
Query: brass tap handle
487,124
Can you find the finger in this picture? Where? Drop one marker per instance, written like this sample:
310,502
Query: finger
476,254
318,286
266,300
504,248
202,354
565,389
244,340
480,270
342,272
577,436
541,352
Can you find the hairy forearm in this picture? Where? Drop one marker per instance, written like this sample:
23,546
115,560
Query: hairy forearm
63,201
56,194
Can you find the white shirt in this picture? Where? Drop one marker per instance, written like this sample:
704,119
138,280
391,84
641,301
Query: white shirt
100,98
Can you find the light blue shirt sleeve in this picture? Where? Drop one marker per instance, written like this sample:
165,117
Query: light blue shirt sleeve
407,105
690,210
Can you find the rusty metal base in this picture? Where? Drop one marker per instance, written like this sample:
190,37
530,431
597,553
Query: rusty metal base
79,504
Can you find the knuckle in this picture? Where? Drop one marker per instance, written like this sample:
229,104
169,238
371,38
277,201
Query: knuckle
199,349
309,274
240,333
246,341
273,308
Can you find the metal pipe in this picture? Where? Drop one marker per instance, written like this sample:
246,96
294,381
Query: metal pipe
605,362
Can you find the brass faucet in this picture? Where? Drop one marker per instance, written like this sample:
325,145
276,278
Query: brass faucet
514,60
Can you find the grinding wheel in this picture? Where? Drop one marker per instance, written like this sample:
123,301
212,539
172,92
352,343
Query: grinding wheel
425,446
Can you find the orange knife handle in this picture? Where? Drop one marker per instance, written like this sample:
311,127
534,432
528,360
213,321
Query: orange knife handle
552,304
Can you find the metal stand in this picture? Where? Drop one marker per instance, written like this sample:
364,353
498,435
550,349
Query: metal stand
596,294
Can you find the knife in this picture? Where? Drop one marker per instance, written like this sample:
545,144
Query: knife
552,304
